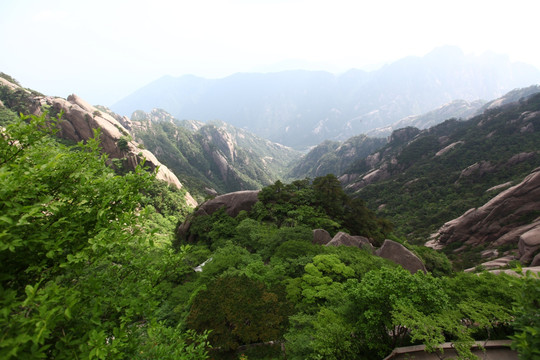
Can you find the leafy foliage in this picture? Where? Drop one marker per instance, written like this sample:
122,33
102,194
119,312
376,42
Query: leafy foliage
239,311
79,277
423,190
527,323
214,155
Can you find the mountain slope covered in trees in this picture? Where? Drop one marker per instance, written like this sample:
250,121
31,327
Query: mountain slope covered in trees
422,179
86,271
332,157
215,156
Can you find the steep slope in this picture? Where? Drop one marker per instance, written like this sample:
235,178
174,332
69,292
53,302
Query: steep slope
80,120
332,157
509,220
459,109
303,108
213,157
421,179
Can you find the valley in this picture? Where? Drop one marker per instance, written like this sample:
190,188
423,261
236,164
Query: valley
146,236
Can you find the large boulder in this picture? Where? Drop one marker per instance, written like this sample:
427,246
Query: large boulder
345,239
233,203
80,119
536,260
529,244
321,237
399,254
499,222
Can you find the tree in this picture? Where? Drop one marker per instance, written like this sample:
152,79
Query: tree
78,275
239,311
527,323
375,299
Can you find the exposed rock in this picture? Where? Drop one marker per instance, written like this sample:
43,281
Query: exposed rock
448,148
399,254
525,270
211,191
500,186
489,253
80,119
521,157
10,85
499,221
495,264
529,244
477,169
232,202
321,237
345,239
536,260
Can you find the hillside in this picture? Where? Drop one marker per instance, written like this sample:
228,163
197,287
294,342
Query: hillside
304,108
332,157
89,269
212,157
457,109
80,121
422,179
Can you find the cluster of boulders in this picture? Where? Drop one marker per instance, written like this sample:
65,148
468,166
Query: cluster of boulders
390,249
235,202
510,218
80,119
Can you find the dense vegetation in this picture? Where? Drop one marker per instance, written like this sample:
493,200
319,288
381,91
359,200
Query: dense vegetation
88,270
79,274
332,157
424,190
327,302
215,155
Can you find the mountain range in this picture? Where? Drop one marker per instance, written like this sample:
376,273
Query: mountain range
419,178
213,157
303,108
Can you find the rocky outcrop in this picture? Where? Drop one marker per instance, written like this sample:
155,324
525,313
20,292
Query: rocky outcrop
321,237
233,203
80,120
478,169
529,244
509,218
399,254
494,264
344,239
536,260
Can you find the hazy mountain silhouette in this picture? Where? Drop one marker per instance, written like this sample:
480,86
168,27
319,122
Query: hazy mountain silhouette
302,108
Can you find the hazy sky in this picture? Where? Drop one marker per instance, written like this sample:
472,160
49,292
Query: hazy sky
103,50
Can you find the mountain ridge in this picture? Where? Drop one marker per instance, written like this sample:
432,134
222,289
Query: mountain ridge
213,157
303,108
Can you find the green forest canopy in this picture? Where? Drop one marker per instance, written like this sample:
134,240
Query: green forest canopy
83,276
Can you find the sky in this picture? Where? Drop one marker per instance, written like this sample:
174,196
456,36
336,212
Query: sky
103,50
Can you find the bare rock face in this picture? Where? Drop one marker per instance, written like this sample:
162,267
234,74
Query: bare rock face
80,119
321,237
529,244
233,203
399,254
536,260
345,239
495,264
499,221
